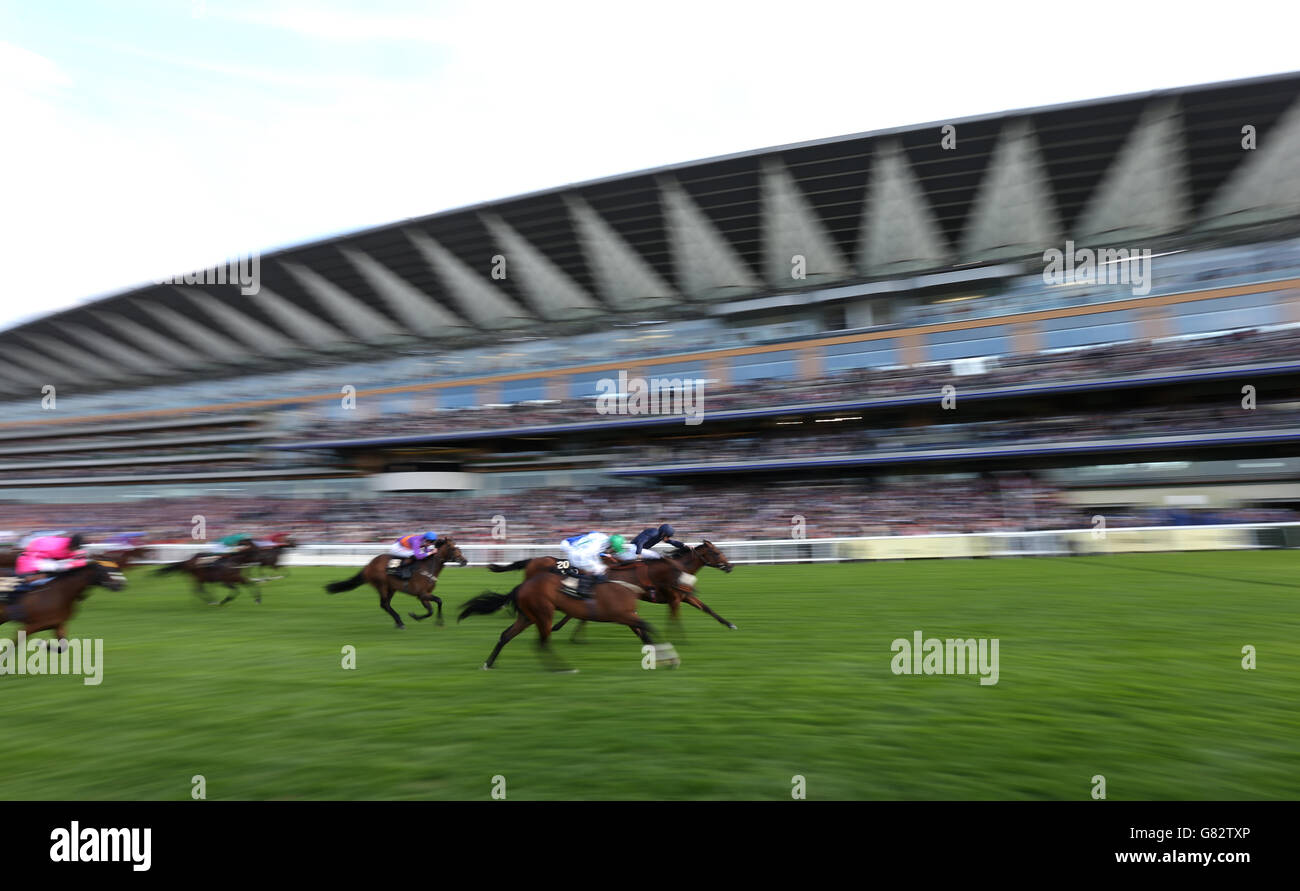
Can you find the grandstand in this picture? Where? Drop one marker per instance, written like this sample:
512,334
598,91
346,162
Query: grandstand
820,298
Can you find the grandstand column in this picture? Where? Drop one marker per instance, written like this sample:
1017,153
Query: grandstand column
557,387
911,349
810,363
1026,338
720,372
490,392
1291,306
1153,322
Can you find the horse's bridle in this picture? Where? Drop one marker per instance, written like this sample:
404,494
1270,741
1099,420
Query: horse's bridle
724,564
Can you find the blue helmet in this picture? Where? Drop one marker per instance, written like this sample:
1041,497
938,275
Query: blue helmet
665,529
431,536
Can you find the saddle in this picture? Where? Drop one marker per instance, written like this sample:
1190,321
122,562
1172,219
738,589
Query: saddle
398,571
12,587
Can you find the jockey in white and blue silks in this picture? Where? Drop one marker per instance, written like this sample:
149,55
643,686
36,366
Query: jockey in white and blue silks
584,551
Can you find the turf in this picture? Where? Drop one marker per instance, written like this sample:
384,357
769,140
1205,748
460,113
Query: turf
1129,667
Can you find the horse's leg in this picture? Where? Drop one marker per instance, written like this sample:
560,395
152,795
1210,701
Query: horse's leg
438,600
257,591
543,617
582,623
521,622
428,607
61,637
234,592
700,604
675,614
385,601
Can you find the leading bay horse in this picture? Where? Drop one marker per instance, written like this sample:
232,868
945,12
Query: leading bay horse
424,575
538,597
51,605
665,585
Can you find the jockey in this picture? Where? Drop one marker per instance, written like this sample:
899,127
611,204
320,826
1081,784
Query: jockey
50,554
642,546
583,552
235,544
412,549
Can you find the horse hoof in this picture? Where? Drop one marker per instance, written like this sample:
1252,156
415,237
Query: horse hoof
565,671
400,627
732,627
486,667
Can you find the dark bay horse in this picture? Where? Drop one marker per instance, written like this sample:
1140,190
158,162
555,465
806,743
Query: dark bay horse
52,604
424,576
217,569
666,585
126,557
538,597
268,556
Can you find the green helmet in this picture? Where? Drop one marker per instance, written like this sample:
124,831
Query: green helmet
617,542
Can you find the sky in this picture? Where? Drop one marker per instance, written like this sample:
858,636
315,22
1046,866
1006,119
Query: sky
142,139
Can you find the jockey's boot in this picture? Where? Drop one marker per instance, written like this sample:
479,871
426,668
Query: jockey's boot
587,582
404,571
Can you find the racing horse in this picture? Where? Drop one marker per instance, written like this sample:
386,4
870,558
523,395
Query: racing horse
126,557
52,604
268,556
222,569
424,576
666,586
539,596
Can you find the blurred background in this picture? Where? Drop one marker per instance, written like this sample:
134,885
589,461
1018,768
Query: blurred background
817,299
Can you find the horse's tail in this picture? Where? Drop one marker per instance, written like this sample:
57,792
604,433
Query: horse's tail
488,602
509,567
347,584
170,567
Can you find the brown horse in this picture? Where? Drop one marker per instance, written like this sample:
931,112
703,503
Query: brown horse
52,604
127,557
666,584
424,575
537,598
222,569
268,557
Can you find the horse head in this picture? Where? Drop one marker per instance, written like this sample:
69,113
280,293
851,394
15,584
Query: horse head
709,555
107,574
447,551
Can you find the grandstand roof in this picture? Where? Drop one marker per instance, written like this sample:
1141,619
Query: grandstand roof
692,237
